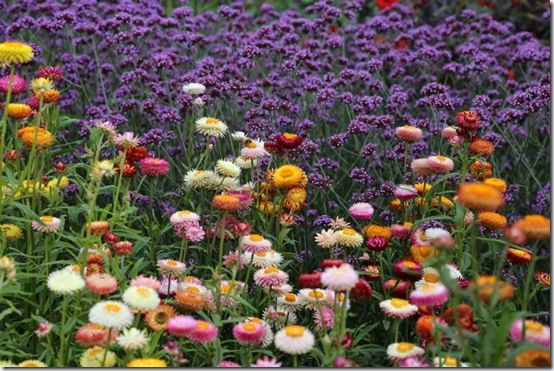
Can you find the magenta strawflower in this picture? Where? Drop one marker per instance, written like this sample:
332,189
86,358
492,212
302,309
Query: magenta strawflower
270,276
249,332
535,332
430,295
405,192
142,280
228,364
152,166
180,325
18,84
266,362
361,210
203,332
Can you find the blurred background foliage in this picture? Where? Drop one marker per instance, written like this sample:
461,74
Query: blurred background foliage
527,15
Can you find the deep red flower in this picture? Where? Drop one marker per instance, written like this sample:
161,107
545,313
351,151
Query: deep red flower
274,148
134,153
327,263
468,120
288,140
310,280
399,287
465,317
377,243
110,238
129,170
362,291
122,248
385,4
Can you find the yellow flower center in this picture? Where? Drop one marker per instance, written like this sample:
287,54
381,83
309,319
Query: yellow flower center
450,362
425,251
250,144
184,213
171,263
96,351
533,326
271,270
349,231
315,294
428,288
94,326
261,254
398,303
47,219
255,320
211,121
290,297
193,289
441,158
225,289
249,327
405,347
289,136
341,296
294,331
202,325
189,279
115,308
431,277
256,237
142,291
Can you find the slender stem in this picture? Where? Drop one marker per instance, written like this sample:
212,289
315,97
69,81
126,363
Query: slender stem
61,355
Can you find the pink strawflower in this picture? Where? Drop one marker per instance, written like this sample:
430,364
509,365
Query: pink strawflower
409,133
50,73
43,329
33,102
46,224
92,334
361,210
419,238
244,197
193,232
449,132
440,164
430,295
152,166
400,231
171,266
270,276
234,258
168,285
266,362
203,332
151,282
343,362
420,166
249,332
405,192
535,332
324,318
254,243
18,84
341,278
180,325
413,362
101,283
183,216
377,243
228,364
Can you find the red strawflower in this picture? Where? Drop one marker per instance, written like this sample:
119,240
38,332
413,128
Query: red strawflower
310,280
362,291
385,4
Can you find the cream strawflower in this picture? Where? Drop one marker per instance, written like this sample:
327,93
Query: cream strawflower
294,339
227,169
127,139
313,298
326,238
112,314
245,163
183,216
97,357
141,298
399,351
289,301
30,363
239,136
342,278
398,308
132,339
223,184
253,149
65,282
448,362
210,126
348,237
199,178
264,259
194,88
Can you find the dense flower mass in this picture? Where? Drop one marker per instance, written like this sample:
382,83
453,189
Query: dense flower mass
300,184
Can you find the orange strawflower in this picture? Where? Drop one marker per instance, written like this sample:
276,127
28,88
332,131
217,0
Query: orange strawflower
481,147
492,220
487,286
157,318
518,256
227,203
535,227
497,183
480,170
40,137
533,358
374,230
480,196
19,110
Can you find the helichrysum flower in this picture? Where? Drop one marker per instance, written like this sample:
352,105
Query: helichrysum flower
111,314
46,224
253,149
254,243
313,298
65,282
341,278
147,362
270,276
449,362
245,163
227,169
210,126
430,295
399,351
535,332
132,339
92,334
198,178
141,298
19,110
98,357
101,283
239,136
289,176
38,137
294,339
409,133
41,85
102,169
152,166
106,127
289,301
31,363
171,266
398,308
127,139
264,259
203,332
361,210
348,237
10,232
15,52
184,216
440,164
326,238
279,317
194,88
266,362
249,332
44,329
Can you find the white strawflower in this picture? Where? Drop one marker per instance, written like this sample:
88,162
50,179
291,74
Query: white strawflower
111,314
199,178
194,88
210,126
141,298
399,351
65,282
227,169
132,339
239,136
341,278
264,259
398,308
245,163
294,339
127,139
326,238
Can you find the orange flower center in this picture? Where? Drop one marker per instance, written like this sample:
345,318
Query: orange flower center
285,173
533,326
289,136
405,347
256,237
271,270
315,294
431,277
398,303
115,308
211,121
249,327
250,144
47,219
193,289
290,297
143,291
171,263
441,158
202,325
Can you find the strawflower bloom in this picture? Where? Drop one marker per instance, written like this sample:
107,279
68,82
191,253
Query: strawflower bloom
535,332
19,110
398,308
97,357
266,362
480,196
101,283
141,298
147,362
409,133
43,329
38,137
289,140
171,266
210,126
202,332
535,227
252,151
18,84
440,164
180,325
430,295
342,278
326,238
226,203
289,176
111,314
349,238
361,211
46,224
270,276
15,52
132,339
152,166
65,282
92,334
227,168
399,351
294,339
254,243
405,192
249,332
194,88
30,363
